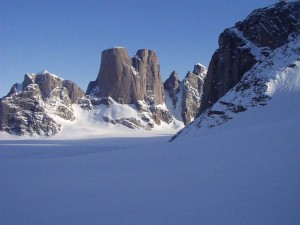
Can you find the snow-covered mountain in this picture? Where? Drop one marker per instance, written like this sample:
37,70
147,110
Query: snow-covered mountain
273,80
247,43
183,98
32,106
129,92
45,104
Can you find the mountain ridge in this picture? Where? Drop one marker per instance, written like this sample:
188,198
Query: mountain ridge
129,91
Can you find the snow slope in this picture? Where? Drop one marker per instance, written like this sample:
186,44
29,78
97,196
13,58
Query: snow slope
232,175
269,92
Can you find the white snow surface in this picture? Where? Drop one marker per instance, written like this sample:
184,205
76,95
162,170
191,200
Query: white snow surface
245,172
90,124
46,72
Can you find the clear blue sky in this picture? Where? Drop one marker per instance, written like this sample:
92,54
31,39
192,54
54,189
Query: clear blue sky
67,37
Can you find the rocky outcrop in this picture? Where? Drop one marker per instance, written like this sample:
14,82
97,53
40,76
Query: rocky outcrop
172,86
185,96
255,57
74,92
192,94
146,64
127,80
277,77
115,78
272,26
24,113
247,43
30,107
133,81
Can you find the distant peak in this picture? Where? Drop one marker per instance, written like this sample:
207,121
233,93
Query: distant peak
43,72
199,69
115,50
199,64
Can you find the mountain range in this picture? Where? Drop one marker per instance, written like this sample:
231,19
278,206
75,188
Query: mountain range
257,57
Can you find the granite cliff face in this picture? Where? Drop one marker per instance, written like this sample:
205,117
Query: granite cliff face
247,43
30,107
184,97
258,60
135,82
128,80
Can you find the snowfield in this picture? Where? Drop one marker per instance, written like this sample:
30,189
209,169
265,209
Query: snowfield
243,172
246,171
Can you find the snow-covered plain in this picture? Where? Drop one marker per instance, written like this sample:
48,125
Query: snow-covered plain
243,172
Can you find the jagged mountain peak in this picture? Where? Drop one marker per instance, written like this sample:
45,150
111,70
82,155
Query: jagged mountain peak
199,69
183,97
128,80
271,26
133,82
248,42
245,68
31,107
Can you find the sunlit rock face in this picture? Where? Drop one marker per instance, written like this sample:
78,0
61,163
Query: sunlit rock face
128,80
30,107
133,81
185,95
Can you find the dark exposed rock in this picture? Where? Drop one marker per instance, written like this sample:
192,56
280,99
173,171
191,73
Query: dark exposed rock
191,96
13,89
47,83
199,69
226,68
85,103
28,79
271,26
74,92
171,85
263,30
172,88
132,123
23,113
160,114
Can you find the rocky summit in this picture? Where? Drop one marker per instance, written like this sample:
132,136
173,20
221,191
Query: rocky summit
30,107
129,91
128,80
257,62
249,42
183,98
134,81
